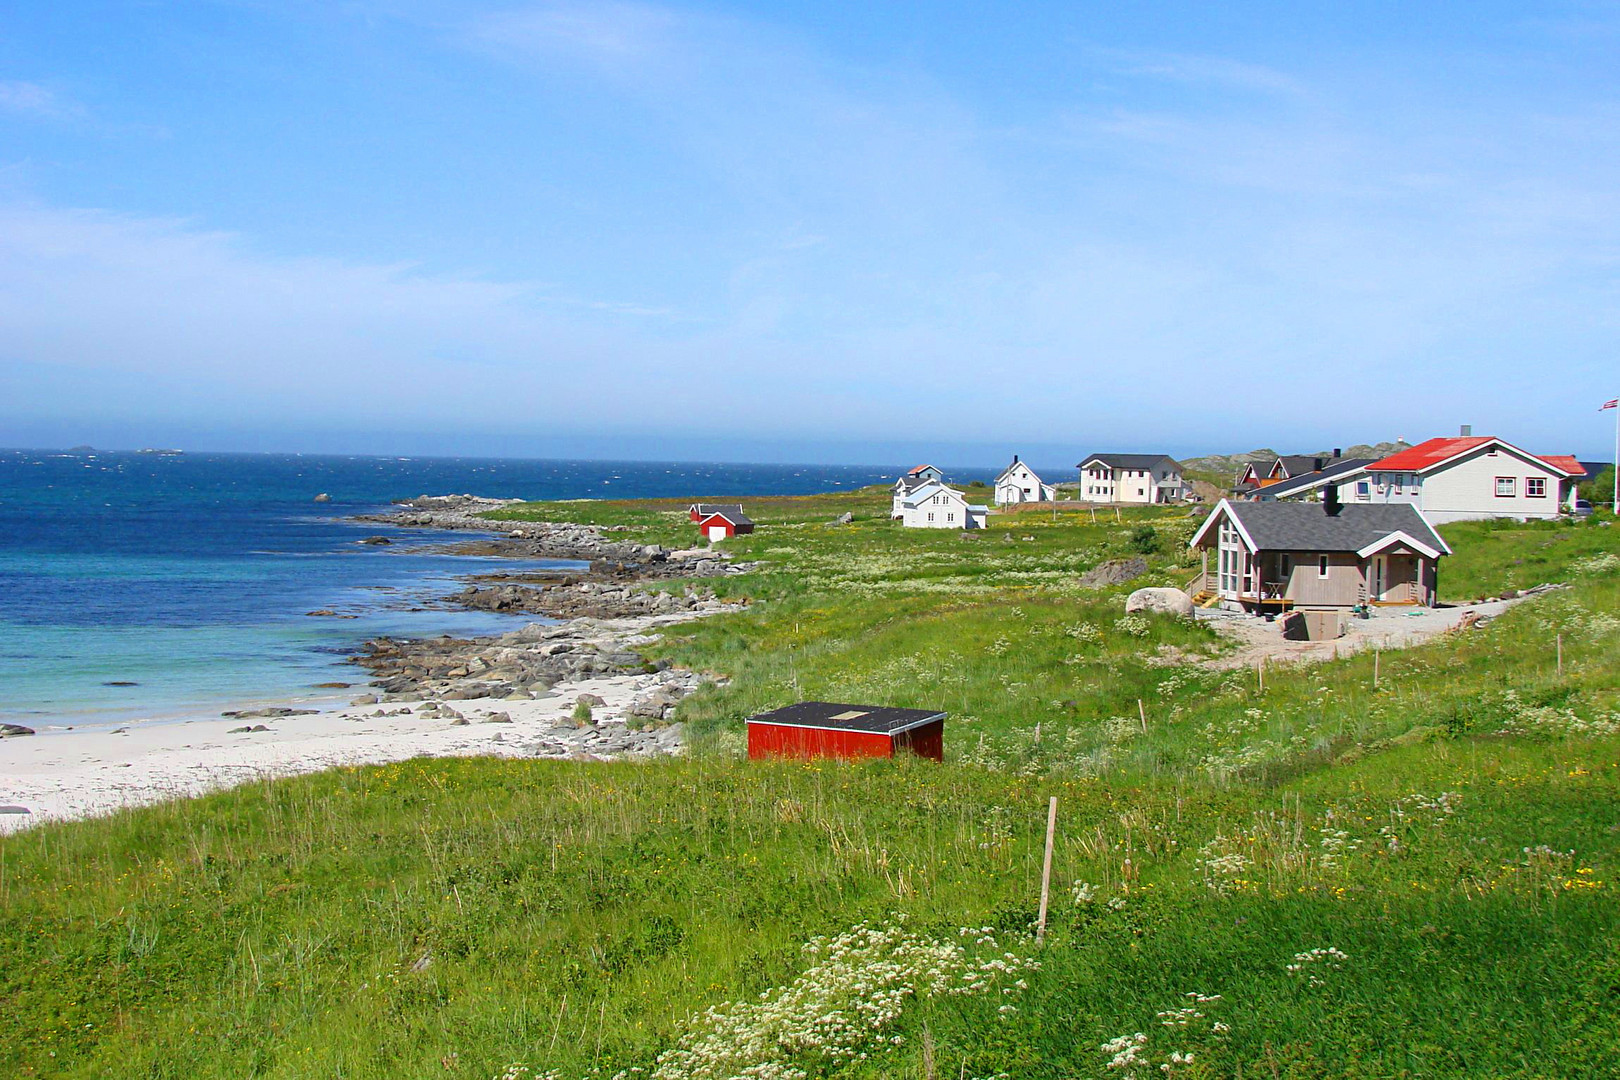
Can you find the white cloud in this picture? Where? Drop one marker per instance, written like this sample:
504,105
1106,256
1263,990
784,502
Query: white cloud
32,99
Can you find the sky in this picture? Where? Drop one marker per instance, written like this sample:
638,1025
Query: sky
799,231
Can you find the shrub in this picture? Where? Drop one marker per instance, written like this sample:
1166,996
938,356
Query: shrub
1143,539
582,713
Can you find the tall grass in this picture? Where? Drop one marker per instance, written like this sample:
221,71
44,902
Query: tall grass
1413,877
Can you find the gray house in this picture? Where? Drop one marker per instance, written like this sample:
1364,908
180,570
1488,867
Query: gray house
1274,556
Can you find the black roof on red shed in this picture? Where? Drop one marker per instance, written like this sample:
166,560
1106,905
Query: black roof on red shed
875,719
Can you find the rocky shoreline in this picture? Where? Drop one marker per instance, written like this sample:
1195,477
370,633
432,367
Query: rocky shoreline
608,617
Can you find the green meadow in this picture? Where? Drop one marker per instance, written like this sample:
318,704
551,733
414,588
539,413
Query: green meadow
1328,874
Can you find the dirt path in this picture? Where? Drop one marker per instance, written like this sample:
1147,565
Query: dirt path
1257,639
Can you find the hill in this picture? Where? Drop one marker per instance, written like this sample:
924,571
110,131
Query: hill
1330,874
1222,469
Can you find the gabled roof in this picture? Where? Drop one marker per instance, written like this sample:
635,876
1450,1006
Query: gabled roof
1430,455
733,514
1295,526
916,496
1290,465
923,468
1014,465
705,509
1128,461
1341,471
1566,463
909,483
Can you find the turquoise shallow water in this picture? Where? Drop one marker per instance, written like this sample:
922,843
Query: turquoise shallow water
189,575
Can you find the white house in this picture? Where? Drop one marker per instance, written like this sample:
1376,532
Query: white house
1131,478
1465,477
1019,484
935,506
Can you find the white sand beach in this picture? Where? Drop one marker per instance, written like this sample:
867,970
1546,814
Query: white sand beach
71,774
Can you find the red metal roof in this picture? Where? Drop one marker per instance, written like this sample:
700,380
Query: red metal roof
1564,462
1428,454
919,469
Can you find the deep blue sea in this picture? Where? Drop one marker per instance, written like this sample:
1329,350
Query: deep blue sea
189,576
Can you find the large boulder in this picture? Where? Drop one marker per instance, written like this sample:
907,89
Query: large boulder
1113,572
1162,601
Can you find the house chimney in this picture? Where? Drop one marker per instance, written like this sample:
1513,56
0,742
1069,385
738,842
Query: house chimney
1337,453
1330,500
1317,463
1467,430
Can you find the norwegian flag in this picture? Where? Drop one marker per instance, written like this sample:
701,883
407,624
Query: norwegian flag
1612,403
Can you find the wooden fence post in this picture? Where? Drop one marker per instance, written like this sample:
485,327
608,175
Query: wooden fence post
1141,712
1560,655
1046,868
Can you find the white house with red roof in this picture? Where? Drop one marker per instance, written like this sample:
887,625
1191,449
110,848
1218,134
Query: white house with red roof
1467,477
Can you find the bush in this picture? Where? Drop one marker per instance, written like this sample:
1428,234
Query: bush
582,713
1143,539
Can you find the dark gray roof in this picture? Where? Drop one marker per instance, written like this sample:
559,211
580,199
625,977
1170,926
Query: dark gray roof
908,484
732,514
1296,526
1341,469
1592,468
705,509
1128,461
879,719
1294,464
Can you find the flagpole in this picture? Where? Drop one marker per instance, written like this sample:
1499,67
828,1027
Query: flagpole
1617,462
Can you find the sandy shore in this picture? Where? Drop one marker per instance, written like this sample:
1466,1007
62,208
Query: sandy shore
82,773
60,774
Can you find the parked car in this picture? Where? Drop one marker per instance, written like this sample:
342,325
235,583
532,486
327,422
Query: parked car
1583,508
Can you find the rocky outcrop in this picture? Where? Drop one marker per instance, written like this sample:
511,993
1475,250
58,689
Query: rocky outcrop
1113,572
554,539
519,665
12,731
596,600
1160,601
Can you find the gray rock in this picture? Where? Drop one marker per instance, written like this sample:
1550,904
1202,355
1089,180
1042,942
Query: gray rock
498,718
15,810
13,731
247,730
1113,572
593,700
267,714
365,699
845,518
1160,600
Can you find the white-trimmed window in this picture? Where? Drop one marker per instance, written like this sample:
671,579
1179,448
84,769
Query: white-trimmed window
1363,489
1506,487
1321,566
930,515
1535,487
951,516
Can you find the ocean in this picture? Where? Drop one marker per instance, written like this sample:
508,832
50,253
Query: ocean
137,586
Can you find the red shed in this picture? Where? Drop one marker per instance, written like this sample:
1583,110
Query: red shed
826,729
723,522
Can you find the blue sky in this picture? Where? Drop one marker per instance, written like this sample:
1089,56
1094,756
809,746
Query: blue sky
802,231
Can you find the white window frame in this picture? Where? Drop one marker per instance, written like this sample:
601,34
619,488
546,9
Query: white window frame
1512,485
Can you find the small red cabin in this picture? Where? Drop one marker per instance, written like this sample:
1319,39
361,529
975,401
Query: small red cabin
723,522
826,729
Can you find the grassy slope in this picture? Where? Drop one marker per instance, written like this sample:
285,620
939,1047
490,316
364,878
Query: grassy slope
576,914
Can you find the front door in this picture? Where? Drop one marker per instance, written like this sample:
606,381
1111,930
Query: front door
1380,576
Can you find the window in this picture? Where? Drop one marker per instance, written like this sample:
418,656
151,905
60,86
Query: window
1321,566
951,516
930,515
1506,487
1535,487
1363,489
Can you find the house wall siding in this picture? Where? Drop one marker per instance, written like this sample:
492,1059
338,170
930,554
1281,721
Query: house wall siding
1467,488
1343,587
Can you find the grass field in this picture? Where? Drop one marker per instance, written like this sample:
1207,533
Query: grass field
1415,878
